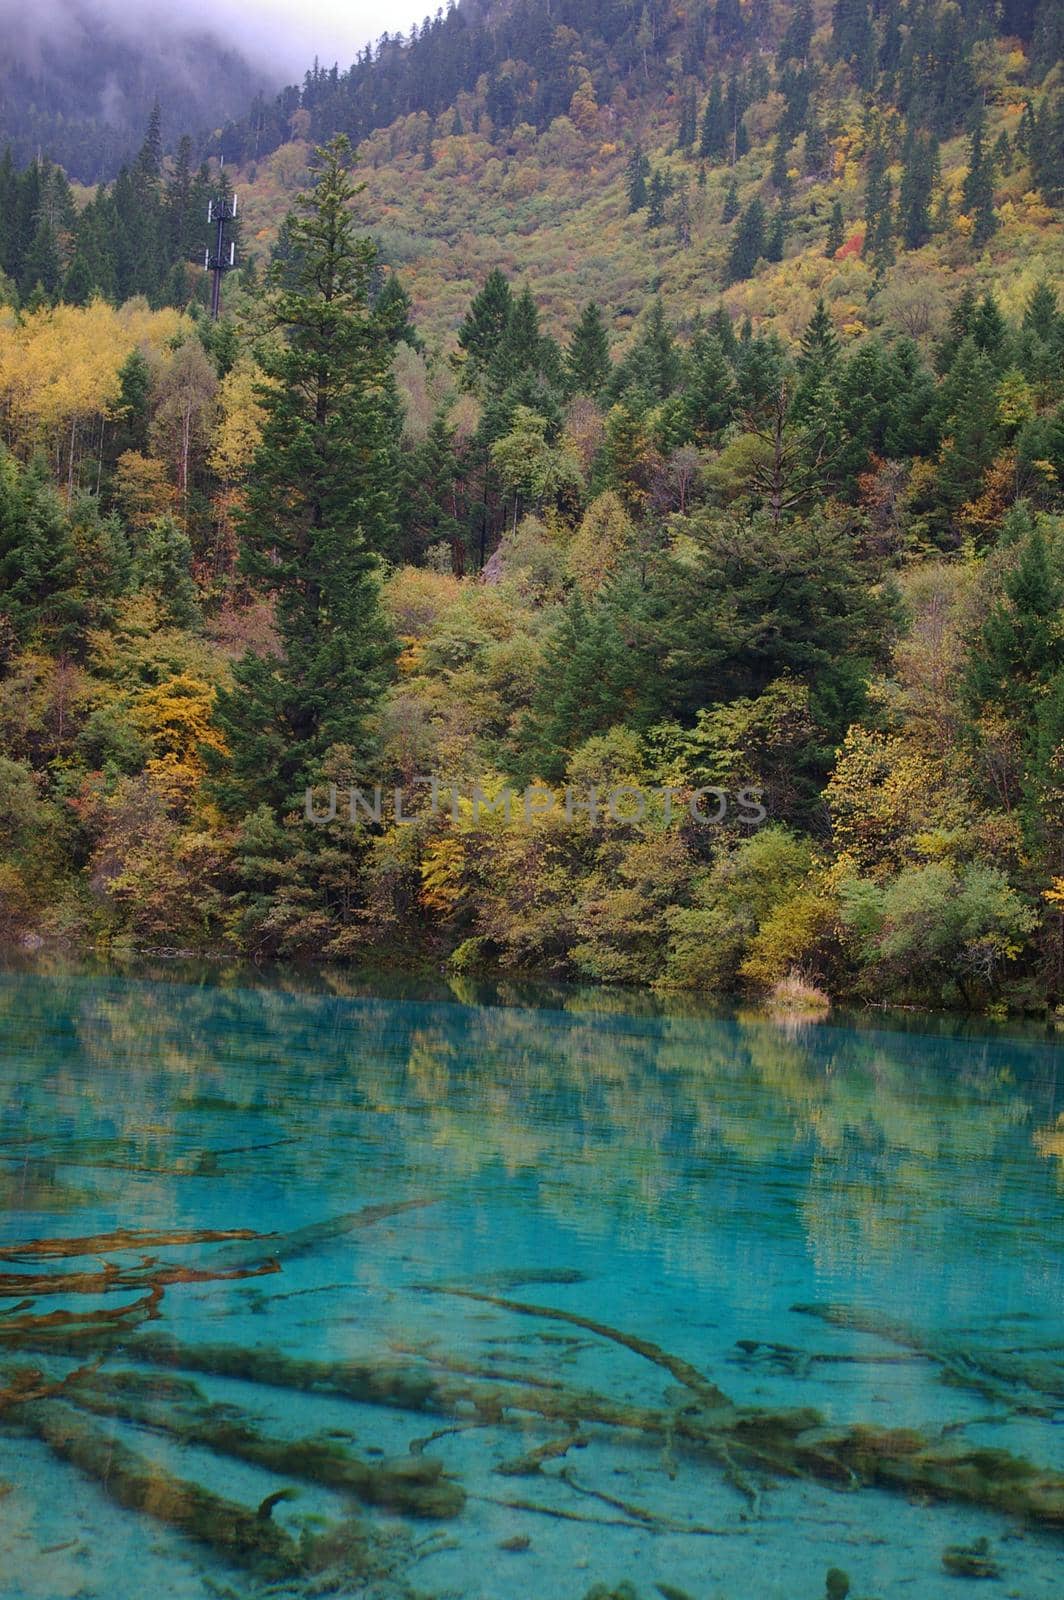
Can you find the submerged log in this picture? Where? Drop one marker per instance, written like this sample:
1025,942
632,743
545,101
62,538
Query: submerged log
787,1442
301,1241
15,1285
412,1484
389,1383
76,1329
123,1239
231,1530
997,1375
681,1370
903,1459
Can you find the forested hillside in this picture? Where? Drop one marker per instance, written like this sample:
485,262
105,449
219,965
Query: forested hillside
674,399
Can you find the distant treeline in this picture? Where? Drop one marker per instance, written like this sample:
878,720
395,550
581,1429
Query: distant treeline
526,64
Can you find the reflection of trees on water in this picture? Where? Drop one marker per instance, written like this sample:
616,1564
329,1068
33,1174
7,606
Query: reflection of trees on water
879,1133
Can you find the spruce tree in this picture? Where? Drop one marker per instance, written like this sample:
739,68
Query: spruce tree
41,269
776,237
688,128
395,311
1047,148
748,242
163,567
709,390
1040,315
78,285
715,128
636,174
820,341
653,368
972,425
485,324
320,503
1019,648
977,195
587,359
427,493
917,186
817,145
132,412
779,171
40,595
657,198
991,332
730,209
681,217
736,101
836,231
877,192
881,241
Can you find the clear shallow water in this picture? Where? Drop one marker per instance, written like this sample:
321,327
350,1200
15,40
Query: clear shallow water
683,1180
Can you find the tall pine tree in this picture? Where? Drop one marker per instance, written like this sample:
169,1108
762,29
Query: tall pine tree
320,503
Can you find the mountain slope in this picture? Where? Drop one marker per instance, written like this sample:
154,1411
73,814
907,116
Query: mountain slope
497,179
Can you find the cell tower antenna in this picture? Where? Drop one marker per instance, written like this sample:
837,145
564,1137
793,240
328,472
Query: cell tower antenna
220,213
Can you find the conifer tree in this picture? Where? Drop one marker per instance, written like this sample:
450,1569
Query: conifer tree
38,578
485,324
427,493
587,359
78,284
820,341
682,216
730,209
395,311
709,392
320,503
836,237
163,566
653,368
817,146
776,237
779,171
658,193
1020,648
522,350
688,128
917,187
877,191
881,243
715,128
1040,315
636,174
41,267
972,425
978,192
991,332
132,412
748,242
794,46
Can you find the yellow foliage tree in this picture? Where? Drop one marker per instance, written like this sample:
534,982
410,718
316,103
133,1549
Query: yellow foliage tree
601,540
177,719
142,488
59,371
239,430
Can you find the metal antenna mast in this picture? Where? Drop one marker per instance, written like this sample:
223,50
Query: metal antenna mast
220,213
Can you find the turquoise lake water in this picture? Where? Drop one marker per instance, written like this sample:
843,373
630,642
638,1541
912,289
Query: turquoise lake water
854,1219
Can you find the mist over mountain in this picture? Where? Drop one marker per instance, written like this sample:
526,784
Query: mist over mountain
78,79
